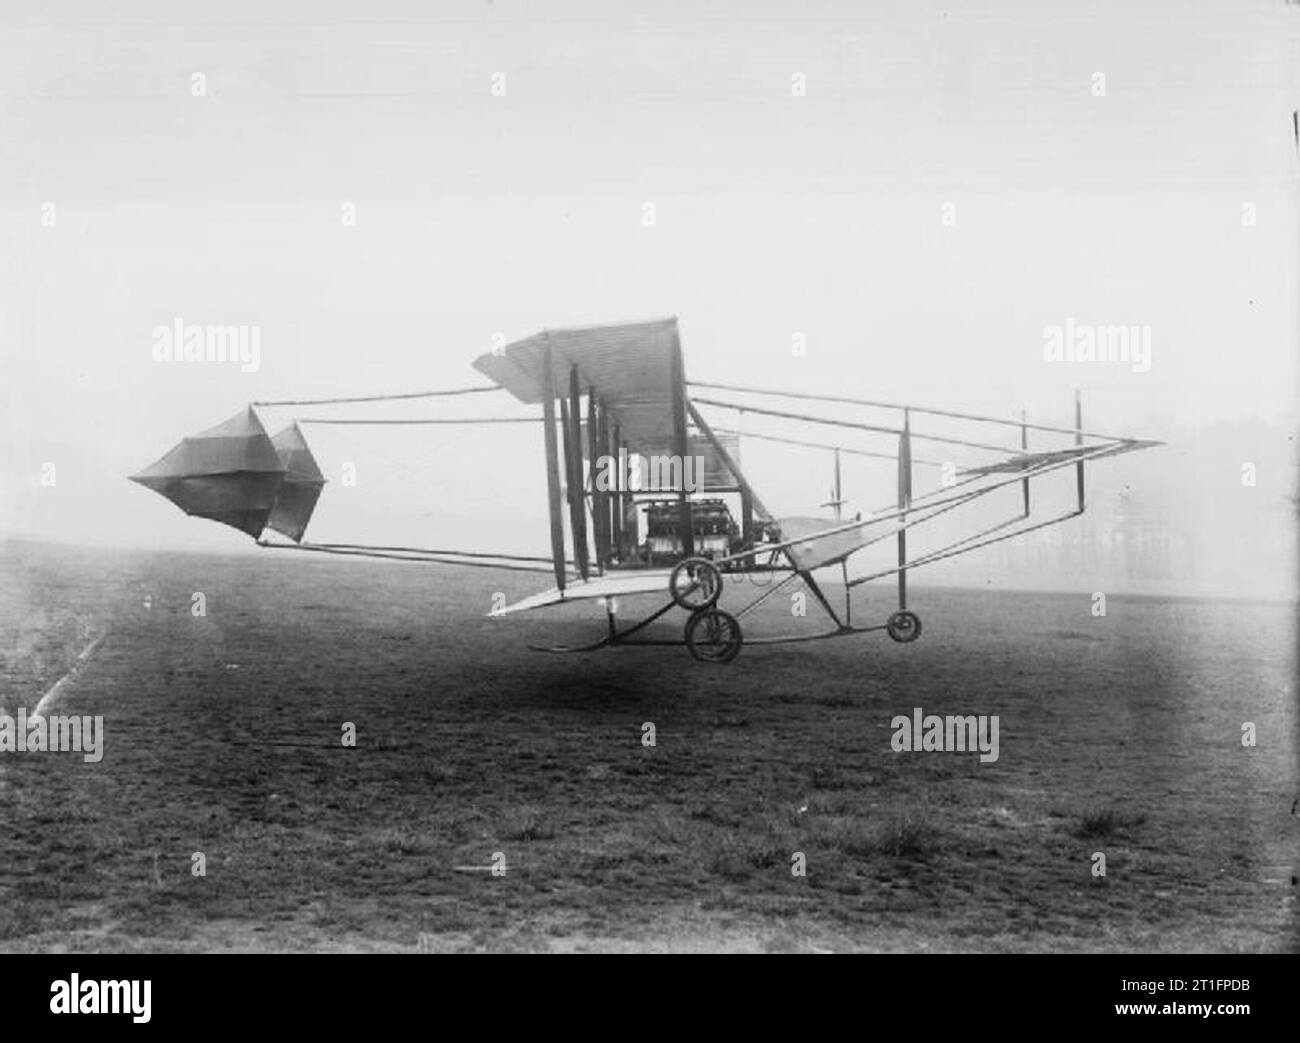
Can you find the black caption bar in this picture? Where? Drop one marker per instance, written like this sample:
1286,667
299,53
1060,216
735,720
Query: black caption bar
155,993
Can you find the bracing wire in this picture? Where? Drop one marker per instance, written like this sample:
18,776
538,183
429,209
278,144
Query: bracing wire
378,398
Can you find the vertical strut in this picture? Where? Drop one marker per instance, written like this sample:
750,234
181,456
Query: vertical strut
839,495
746,500
573,455
616,451
1024,448
553,472
599,514
605,435
681,445
904,501
1078,440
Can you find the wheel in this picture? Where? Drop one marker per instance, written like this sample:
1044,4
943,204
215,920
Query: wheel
904,626
713,636
695,584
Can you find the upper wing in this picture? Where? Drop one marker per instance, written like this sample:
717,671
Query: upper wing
629,364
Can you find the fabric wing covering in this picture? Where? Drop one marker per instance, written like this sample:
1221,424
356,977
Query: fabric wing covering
234,474
629,365
301,488
818,552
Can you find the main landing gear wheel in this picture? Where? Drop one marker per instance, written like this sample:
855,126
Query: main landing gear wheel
904,626
713,636
695,584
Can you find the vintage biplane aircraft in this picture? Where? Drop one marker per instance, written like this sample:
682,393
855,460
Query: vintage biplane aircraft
679,536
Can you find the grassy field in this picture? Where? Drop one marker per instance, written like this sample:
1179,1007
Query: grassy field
1119,735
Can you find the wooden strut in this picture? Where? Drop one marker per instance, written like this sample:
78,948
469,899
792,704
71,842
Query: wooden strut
1024,448
597,437
553,473
1078,441
904,502
747,534
571,417
681,445
837,498
593,454
616,449
838,494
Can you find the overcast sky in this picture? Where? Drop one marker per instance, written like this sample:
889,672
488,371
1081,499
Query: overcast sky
917,192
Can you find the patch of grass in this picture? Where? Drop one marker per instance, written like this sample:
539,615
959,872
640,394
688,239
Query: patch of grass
716,814
526,823
910,836
849,836
829,777
670,827
401,840
837,803
445,919
740,856
1098,823
19,918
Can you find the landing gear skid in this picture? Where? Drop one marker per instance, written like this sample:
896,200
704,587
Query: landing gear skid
714,636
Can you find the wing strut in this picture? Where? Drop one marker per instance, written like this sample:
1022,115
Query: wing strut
579,520
616,451
1024,448
904,501
681,445
1078,440
553,473
571,422
599,500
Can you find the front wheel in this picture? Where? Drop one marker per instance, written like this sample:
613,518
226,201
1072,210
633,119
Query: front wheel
714,636
904,627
